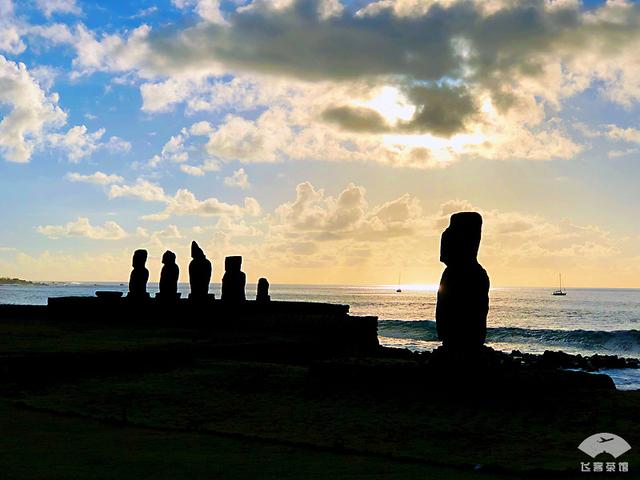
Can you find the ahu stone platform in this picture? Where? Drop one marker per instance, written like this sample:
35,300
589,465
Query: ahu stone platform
324,324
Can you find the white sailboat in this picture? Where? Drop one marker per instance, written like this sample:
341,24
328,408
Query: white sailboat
399,290
559,292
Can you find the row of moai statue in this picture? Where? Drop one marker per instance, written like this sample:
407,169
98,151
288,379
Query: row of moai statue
463,296
234,279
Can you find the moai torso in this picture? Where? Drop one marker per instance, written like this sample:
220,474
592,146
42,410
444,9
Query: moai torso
169,276
463,296
263,291
199,272
234,280
139,275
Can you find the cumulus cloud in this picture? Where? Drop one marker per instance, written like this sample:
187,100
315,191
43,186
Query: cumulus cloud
81,227
50,7
78,143
183,203
10,38
142,189
624,134
485,76
30,112
313,215
97,178
239,179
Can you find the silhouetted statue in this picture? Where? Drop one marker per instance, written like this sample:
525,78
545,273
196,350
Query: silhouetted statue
263,290
169,277
463,296
139,275
234,280
199,273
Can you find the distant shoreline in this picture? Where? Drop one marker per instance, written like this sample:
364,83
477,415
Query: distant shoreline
18,281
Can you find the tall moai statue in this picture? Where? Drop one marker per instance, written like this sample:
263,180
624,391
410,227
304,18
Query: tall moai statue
234,280
263,291
139,275
199,273
169,277
463,296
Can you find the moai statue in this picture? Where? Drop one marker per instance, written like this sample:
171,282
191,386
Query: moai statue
199,273
263,291
234,280
139,275
169,277
463,296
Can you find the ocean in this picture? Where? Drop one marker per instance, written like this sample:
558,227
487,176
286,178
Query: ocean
586,321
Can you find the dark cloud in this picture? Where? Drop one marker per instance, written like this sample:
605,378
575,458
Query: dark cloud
356,119
459,44
441,110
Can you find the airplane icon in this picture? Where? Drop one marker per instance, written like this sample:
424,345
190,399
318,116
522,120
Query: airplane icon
603,440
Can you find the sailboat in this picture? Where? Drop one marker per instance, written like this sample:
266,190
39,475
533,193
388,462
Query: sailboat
560,292
399,290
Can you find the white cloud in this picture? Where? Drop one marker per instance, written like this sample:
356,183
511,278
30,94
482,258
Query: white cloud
98,178
31,112
50,7
83,228
10,41
185,203
78,143
239,179
625,134
142,189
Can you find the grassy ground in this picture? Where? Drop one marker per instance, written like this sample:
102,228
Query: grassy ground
36,445
216,418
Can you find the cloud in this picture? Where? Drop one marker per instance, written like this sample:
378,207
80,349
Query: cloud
50,7
30,112
83,228
239,179
631,135
10,41
314,216
142,189
183,203
80,144
97,178
356,119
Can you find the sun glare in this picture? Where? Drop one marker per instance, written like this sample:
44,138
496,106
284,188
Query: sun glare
391,104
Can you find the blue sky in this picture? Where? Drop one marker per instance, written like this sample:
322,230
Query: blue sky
325,141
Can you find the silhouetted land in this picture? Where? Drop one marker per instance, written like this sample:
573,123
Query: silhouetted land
82,396
16,281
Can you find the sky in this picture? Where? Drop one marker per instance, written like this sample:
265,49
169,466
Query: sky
326,141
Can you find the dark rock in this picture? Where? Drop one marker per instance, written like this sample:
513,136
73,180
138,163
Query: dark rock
233,280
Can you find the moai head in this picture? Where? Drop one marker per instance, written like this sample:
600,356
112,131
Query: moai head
263,286
233,264
169,258
196,251
139,259
461,240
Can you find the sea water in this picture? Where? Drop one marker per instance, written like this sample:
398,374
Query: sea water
585,321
